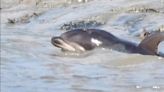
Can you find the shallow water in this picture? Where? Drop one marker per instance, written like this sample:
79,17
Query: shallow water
29,63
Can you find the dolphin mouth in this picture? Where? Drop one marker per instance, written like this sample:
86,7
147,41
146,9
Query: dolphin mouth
60,43
66,45
56,41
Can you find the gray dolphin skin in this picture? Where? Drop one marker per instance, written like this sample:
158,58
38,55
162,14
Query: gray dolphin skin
81,40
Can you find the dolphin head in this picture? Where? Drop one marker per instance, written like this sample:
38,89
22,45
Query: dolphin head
76,41
151,42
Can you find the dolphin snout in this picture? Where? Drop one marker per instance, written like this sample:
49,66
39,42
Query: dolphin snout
56,41
63,44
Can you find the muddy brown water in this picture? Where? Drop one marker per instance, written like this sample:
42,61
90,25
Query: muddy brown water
30,63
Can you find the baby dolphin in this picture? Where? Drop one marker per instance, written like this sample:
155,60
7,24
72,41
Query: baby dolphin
81,40
151,42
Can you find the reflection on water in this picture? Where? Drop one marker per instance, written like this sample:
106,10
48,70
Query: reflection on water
29,63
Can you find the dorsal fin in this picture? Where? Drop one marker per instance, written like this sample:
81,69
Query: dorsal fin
152,41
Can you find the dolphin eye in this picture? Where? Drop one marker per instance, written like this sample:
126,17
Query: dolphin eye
146,34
